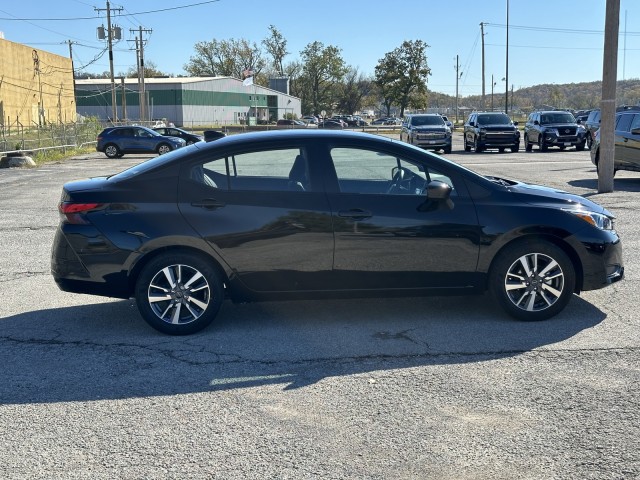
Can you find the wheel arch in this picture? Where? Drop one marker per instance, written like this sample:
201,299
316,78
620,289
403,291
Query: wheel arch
176,249
556,240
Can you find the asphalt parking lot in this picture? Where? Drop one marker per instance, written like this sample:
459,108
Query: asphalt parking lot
365,389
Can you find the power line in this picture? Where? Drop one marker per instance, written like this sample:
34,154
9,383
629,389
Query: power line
553,29
180,7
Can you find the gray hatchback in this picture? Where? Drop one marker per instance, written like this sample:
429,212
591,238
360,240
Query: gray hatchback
116,141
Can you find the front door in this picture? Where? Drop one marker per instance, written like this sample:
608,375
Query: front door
388,235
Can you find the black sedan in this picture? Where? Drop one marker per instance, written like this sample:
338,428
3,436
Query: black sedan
188,137
300,214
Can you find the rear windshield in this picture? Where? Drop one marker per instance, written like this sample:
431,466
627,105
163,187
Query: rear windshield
427,120
154,162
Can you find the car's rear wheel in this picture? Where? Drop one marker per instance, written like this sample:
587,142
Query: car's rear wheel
532,280
163,148
179,294
112,151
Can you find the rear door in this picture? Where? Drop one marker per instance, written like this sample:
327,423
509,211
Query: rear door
632,143
263,210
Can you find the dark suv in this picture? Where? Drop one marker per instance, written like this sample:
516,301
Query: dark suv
484,130
426,130
591,125
626,155
116,141
553,128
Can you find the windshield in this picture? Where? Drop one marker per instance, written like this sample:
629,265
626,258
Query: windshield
500,119
427,120
559,117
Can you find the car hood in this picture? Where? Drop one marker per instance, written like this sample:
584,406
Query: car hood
552,197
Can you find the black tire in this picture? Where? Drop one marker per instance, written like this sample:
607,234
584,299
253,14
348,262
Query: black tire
163,148
589,141
179,294
111,150
476,145
447,149
538,291
541,145
515,148
580,146
527,145
501,149
467,147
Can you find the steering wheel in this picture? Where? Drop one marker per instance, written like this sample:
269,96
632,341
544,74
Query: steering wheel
401,181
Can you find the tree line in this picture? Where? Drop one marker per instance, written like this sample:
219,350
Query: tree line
322,79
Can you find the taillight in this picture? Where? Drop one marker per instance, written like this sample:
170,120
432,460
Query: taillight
74,213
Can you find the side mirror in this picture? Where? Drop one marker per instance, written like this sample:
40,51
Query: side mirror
515,123
635,131
437,190
536,122
578,121
472,124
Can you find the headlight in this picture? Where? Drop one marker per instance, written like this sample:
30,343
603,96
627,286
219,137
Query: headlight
597,220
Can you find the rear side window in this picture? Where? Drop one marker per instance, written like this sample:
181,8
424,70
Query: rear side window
271,170
624,122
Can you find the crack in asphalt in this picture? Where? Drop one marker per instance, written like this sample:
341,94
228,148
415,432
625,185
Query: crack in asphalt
18,275
226,358
39,228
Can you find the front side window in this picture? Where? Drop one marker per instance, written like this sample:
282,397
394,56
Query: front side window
372,172
269,170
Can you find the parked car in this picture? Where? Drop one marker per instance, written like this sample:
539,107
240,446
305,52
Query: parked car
288,123
553,128
626,154
448,122
591,125
310,119
118,141
331,124
188,137
311,213
426,130
484,130
211,135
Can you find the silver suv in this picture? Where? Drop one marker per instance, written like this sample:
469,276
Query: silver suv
427,130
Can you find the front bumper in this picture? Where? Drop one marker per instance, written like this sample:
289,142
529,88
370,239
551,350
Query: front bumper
602,262
428,140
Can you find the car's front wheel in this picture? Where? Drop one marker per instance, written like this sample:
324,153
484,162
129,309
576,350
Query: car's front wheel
179,294
541,145
467,147
112,151
477,147
580,146
163,148
532,280
589,141
515,148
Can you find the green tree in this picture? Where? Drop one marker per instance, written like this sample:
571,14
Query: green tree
276,46
352,91
322,69
226,58
150,71
403,72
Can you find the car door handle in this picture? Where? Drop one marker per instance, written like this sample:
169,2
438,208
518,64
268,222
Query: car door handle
208,204
355,213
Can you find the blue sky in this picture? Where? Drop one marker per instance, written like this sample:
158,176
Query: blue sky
551,41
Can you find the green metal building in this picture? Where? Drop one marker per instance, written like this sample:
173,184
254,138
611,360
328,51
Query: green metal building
188,102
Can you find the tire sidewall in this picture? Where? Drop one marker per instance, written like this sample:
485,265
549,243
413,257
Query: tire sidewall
194,261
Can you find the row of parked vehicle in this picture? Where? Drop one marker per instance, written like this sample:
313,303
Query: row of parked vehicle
496,130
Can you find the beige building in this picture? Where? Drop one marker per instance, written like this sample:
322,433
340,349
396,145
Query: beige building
36,87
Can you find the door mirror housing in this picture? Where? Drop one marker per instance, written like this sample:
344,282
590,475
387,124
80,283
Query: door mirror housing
437,190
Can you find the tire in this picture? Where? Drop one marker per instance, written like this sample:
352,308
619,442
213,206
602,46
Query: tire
541,145
467,147
111,150
580,146
515,148
179,294
538,291
447,149
501,149
527,145
476,145
589,141
163,148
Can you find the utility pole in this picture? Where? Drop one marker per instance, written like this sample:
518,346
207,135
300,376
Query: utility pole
140,57
36,70
124,99
458,75
506,77
608,103
73,73
112,32
484,103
